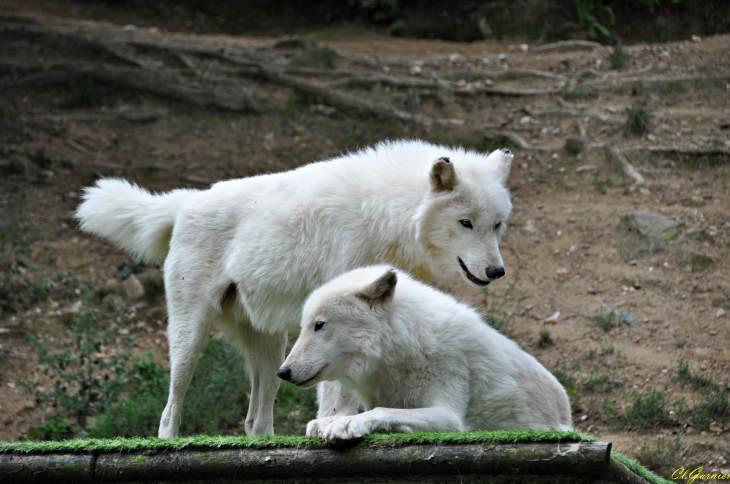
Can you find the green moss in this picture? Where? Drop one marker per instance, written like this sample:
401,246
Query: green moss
378,440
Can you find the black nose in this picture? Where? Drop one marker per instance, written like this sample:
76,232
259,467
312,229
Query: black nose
495,272
284,373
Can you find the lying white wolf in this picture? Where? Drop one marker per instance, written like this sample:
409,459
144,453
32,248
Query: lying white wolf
246,253
418,360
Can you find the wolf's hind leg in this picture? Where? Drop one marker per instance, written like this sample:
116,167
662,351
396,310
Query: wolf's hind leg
187,333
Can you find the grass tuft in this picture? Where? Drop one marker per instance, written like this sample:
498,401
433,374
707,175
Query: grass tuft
618,58
638,119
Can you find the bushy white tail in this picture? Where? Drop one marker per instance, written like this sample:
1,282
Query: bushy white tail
130,216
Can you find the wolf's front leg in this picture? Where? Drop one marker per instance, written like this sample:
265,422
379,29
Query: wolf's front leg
336,400
381,419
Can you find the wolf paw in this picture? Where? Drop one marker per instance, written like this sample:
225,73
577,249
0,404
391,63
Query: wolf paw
345,429
315,428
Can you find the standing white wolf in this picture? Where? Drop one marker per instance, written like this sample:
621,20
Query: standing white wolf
246,253
418,360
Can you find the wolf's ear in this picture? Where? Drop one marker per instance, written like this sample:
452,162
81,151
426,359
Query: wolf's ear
443,175
502,160
381,291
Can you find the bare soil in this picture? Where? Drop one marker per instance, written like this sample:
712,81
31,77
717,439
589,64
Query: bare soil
565,224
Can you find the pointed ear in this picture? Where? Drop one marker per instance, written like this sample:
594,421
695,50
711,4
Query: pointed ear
443,175
502,160
381,291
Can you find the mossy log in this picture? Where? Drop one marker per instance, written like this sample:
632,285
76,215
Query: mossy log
60,468
583,459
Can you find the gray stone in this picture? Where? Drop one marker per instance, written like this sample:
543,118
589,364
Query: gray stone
112,302
652,225
132,288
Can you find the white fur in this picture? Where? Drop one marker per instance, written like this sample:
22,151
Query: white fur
246,253
418,360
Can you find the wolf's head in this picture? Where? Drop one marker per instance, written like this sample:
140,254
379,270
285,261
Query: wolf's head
464,215
342,323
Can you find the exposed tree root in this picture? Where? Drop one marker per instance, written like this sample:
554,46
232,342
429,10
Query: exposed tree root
715,151
615,154
164,84
579,113
567,45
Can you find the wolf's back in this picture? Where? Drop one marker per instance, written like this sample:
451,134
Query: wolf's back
133,218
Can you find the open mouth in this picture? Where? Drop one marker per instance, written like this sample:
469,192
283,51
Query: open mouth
471,276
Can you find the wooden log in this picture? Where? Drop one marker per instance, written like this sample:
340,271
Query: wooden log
59,468
619,473
575,459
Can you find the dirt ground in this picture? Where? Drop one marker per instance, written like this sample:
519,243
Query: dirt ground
568,204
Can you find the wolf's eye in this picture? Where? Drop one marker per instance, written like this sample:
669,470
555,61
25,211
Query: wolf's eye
318,325
465,223
498,226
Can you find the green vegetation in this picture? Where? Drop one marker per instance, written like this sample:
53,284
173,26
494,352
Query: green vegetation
579,92
638,119
98,390
565,377
216,400
649,410
544,337
268,441
607,320
602,382
662,455
632,245
715,402
17,291
593,14
57,427
618,57
85,379
600,184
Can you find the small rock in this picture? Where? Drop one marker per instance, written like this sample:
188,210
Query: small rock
415,71
574,144
112,302
562,271
454,58
720,312
696,38
652,225
715,428
132,288
553,318
530,226
590,290
74,308
110,286
586,168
